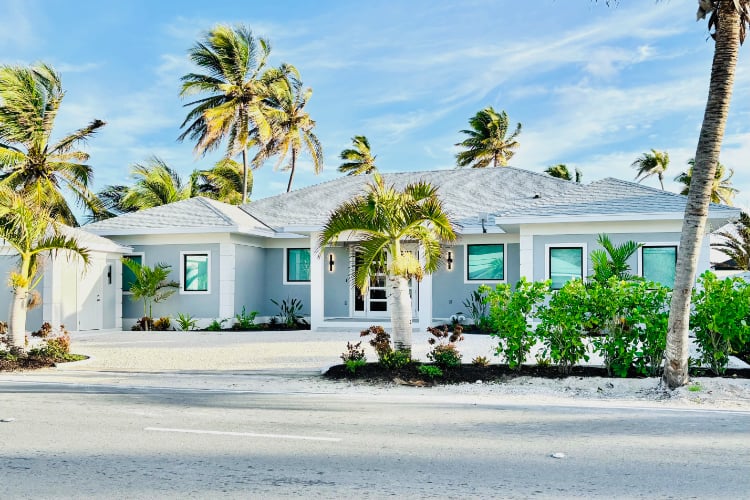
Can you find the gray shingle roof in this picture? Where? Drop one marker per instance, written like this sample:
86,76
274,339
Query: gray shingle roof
191,215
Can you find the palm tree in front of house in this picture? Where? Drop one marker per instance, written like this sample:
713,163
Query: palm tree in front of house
383,218
653,163
736,242
611,261
30,98
721,187
358,160
488,142
32,232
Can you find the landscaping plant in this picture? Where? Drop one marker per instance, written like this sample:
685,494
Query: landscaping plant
163,324
245,320
150,284
510,316
477,306
354,358
381,341
289,311
186,322
216,325
430,371
480,361
444,352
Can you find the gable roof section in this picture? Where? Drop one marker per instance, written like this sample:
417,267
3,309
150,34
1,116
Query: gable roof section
194,215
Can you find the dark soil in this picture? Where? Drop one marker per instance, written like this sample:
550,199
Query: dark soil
409,375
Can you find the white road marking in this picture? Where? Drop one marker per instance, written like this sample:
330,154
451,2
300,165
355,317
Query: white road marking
242,434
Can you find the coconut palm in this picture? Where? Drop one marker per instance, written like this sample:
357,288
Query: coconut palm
653,163
224,182
32,232
291,125
736,242
30,98
729,20
358,159
487,142
383,218
233,87
721,187
559,171
612,260
157,184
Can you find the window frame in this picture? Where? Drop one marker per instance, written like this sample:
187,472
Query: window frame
660,244
183,255
555,246
466,263
285,267
142,255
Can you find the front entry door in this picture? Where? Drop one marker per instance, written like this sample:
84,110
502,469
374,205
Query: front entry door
374,303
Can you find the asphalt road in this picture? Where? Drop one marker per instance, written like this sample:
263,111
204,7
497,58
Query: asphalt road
110,441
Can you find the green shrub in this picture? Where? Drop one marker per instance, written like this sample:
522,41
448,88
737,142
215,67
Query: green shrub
476,304
444,354
289,311
186,322
381,342
395,360
480,361
354,364
163,324
354,352
720,319
245,320
510,314
55,348
561,328
430,371
216,325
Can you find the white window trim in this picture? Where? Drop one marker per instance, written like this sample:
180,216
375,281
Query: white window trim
182,272
584,260
467,281
675,244
143,261
284,267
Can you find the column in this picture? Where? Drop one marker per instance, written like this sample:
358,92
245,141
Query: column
317,297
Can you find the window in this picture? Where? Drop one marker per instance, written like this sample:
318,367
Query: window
658,263
485,262
565,264
297,264
127,275
195,275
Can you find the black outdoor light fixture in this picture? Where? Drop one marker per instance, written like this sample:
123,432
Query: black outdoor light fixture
449,260
330,262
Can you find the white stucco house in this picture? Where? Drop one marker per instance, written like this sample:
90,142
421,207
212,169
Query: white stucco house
510,223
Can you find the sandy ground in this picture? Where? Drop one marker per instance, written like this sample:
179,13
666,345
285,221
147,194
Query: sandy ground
292,361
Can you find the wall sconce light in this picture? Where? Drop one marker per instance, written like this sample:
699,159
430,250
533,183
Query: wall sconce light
331,262
109,275
449,260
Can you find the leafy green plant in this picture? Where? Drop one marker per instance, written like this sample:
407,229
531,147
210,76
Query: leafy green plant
561,328
353,352
216,325
150,284
444,352
480,361
163,324
186,322
395,360
612,260
381,342
353,365
720,319
289,311
510,315
245,320
430,371
695,387
55,348
476,304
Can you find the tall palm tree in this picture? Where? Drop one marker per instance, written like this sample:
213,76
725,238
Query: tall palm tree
487,142
224,182
736,243
291,125
384,217
32,232
234,85
157,184
358,159
30,98
729,19
653,163
721,187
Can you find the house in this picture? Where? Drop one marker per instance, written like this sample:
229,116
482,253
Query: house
510,223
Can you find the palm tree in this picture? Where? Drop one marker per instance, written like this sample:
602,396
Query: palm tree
32,232
224,182
559,171
721,187
30,98
729,20
157,184
291,126
653,163
150,284
384,217
234,87
358,159
612,260
487,142
736,243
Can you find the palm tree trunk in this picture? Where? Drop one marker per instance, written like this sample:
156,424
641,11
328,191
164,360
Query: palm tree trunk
399,303
699,195
661,181
244,176
17,330
291,174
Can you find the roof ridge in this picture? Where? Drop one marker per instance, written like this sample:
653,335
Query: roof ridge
208,202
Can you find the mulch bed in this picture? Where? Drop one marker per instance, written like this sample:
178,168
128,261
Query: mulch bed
28,363
409,375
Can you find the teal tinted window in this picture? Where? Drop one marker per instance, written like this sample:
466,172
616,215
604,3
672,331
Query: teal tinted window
196,272
127,275
485,262
298,264
565,264
659,264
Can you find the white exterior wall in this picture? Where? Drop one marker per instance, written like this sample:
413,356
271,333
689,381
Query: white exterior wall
226,279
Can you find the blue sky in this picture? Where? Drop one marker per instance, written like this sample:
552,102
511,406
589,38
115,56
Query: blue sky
594,87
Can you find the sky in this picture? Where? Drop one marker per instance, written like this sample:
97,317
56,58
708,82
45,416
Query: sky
593,86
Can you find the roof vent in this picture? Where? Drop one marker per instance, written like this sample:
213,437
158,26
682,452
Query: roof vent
537,196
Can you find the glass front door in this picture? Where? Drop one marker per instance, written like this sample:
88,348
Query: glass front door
374,303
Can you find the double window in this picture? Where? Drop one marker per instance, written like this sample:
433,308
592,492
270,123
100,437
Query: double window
195,273
564,264
658,263
297,265
485,262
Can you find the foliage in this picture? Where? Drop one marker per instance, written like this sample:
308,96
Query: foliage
561,171
216,325
150,284
56,348
144,324
381,342
245,320
395,360
224,182
163,324
186,322
487,142
354,358
444,352
44,331
289,311
736,242
612,261
481,361
476,304
653,163
721,187
721,319
354,364
358,160
510,316
430,371
561,328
